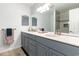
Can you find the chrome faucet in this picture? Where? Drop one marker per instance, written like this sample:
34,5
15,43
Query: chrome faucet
58,32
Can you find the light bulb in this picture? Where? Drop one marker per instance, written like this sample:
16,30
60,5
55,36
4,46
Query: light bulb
43,8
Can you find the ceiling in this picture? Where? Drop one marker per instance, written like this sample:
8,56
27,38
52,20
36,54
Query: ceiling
28,4
59,6
65,6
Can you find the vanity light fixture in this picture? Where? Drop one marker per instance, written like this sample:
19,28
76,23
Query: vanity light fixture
43,8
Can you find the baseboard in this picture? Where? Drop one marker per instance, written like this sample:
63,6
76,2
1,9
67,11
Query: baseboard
25,51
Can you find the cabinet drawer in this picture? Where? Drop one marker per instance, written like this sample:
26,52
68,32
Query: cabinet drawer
30,36
41,50
32,50
32,42
52,52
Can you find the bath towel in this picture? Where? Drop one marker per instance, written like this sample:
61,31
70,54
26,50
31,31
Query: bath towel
9,36
9,32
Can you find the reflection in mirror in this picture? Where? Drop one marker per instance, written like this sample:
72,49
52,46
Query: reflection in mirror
62,20
45,16
25,20
67,21
74,21
34,21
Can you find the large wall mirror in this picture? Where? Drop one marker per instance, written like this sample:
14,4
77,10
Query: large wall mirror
61,17
43,18
67,20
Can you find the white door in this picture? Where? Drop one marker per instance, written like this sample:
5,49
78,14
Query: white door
74,21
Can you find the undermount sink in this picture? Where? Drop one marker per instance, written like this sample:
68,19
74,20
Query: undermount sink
56,36
42,32
50,35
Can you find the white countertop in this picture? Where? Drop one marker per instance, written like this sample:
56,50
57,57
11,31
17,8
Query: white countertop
61,38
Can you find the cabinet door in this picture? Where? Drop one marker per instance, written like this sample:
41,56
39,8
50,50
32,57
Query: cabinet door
32,48
41,50
22,40
52,52
26,43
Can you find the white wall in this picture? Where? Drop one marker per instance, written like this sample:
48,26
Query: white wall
10,16
74,21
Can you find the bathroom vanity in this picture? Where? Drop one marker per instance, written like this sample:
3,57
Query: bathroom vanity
49,44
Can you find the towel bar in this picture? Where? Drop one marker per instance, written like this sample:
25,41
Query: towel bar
13,29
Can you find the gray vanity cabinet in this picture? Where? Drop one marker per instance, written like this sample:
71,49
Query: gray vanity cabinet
41,50
32,48
28,44
40,46
52,52
22,40
36,49
25,42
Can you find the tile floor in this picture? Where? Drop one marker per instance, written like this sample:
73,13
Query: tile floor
15,52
